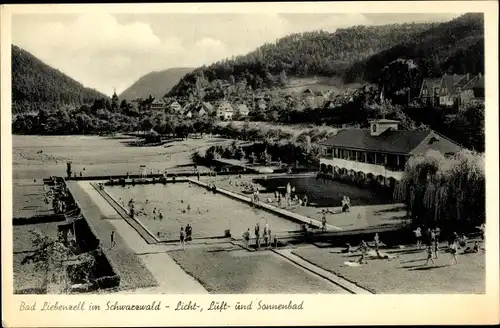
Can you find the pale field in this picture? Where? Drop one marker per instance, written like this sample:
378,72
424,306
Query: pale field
95,155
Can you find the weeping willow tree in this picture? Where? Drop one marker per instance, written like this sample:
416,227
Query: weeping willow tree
444,191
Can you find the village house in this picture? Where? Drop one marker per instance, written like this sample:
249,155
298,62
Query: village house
241,110
158,104
174,106
188,114
429,91
450,88
225,111
379,153
473,91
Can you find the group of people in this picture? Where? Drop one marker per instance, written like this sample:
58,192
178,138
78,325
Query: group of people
364,248
431,238
186,235
266,236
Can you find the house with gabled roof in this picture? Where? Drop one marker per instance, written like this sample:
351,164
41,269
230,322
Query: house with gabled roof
379,153
174,106
158,104
241,110
473,91
225,111
429,91
450,87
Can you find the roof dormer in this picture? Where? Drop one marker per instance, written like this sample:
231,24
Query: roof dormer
378,127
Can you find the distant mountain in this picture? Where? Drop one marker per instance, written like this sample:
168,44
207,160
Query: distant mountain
156,84
455,47
36,85
306,54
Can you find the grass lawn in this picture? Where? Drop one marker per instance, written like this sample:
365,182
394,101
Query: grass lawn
238,272
23,238
98,155
209,214
28,199
368,209
407,274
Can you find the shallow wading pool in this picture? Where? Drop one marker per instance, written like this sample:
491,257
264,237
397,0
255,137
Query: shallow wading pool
209,214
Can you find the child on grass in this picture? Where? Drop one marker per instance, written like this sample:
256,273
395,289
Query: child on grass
429,255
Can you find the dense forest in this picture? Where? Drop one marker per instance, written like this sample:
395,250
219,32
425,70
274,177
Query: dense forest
312,53
358,53
36,85
455,47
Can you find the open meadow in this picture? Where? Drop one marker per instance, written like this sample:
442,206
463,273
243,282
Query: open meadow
35,157
407,273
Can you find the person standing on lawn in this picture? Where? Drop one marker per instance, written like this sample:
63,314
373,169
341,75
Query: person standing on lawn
189,232
376,240
323,223
265,236
246,236
454,251
257,232
113,242
182,236
364,250
429,255
418,236
436,248
437,233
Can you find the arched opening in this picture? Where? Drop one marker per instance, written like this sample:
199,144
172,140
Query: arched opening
323,168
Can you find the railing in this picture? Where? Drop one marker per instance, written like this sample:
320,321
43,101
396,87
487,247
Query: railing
366,168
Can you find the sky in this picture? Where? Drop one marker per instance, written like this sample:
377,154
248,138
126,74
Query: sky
108,52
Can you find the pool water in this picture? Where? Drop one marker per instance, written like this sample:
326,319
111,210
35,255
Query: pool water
325,192
209,214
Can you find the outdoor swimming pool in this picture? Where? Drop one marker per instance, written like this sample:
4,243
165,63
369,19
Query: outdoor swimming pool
209,214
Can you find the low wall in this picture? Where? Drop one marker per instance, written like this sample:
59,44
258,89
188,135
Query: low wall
105,256
38,219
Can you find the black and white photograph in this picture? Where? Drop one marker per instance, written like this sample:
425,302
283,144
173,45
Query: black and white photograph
169,153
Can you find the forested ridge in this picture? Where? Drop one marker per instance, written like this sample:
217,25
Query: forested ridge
311,53
36,85
357,53
455,47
